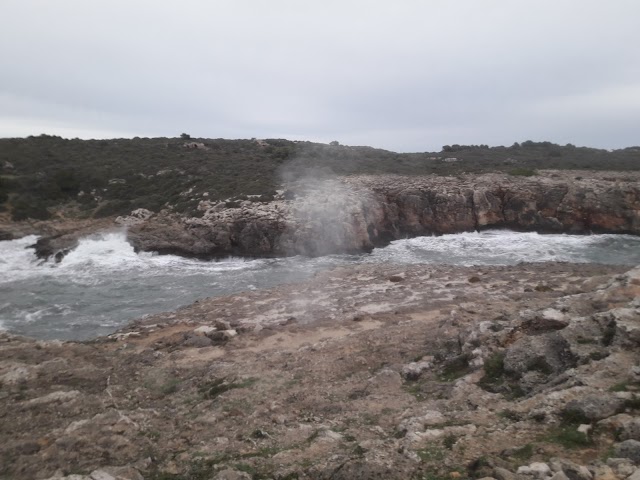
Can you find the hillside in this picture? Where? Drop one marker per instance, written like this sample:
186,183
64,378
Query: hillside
47,176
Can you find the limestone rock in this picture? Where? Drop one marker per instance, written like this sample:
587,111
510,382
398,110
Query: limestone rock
548,354
414,370
503,474
231,474
594,407
630,429
360,212
635,475
537,470
572,470
603,472
386,379
628,449
623,467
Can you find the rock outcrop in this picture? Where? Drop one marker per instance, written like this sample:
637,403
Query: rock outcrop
360,212
352,374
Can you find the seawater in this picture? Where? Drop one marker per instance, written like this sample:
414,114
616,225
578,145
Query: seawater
103,283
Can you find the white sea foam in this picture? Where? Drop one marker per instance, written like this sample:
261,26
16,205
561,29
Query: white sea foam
16,259
98,255
501,247
103,283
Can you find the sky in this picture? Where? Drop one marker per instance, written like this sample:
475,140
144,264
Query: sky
404,75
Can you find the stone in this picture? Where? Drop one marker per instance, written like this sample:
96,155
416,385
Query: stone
628,449
548,320
548,354
53,397
101,475
197,341
362,469
603,472
204,330
635,475
572,470
630,430
594,407
222,325
386,379
230,474
135,217
413,371
430,418
221,336
622,467
585,428
503,474
540,469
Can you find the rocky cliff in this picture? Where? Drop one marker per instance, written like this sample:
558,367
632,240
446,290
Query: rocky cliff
317,217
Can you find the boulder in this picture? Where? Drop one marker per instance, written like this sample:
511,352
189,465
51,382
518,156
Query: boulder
231,474
593,407
414,370
545,355
628,449
622,467
572,470
630,430
503,474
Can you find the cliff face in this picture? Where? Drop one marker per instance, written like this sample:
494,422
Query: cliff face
547,203
361,212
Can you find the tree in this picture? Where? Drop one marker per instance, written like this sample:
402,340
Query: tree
185,136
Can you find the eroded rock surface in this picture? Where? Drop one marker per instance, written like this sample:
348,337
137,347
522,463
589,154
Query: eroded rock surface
348,375
359,212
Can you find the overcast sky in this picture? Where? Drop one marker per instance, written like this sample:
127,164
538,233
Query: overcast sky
402,75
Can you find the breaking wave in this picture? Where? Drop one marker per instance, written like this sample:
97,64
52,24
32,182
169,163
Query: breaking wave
103,283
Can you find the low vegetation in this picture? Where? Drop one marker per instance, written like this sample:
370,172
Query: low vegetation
99,178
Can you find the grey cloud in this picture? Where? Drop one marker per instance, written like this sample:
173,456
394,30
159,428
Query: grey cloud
408,76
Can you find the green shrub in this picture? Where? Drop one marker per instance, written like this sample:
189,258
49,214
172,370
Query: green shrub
29,207
523,453
493,371
522,172
449,441
569,437
455,368
52,170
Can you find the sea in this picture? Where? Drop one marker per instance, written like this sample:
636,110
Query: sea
103,284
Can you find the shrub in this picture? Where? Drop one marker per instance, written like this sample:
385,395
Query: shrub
522,172
29,207
493,371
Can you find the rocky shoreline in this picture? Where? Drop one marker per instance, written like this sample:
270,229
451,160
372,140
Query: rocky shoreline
523,372
322,216
358,213
526,372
